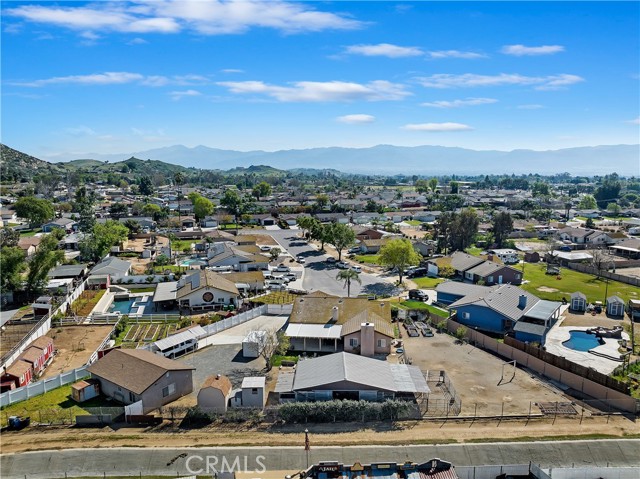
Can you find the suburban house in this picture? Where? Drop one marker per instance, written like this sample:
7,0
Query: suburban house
369,234
205,290
491,273
214,394
352,377
507,309
222,254
29,244
66,224
372,245
326,323
451,291
459,261
582,236
71,271
628,248
131,375
113,268
424,248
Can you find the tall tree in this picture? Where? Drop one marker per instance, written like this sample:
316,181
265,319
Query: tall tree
234,203
103,236
146,186
502,226
399,254
608,191
421,186
36,210
587,202
202,207
454,187
12,264
261,190
348,275
9,237
45,258
83,205
465,229
433,184
341,236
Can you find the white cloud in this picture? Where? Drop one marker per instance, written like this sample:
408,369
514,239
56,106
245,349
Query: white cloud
521,50
635,122
81,130
455,54
460,103
530,107
356,119
207,17
137,41
384,50
232,70
117,78
550,82
179,95
436,127
307,91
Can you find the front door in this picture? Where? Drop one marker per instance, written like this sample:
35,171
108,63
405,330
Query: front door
500,279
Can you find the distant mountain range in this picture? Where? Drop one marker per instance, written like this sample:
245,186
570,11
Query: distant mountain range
391,160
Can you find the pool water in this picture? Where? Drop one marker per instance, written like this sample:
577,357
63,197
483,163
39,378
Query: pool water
122,305
581,341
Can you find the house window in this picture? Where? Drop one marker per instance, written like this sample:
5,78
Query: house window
490,279
169,390
517,276
353,342
382,343
132,397
254,390
466,315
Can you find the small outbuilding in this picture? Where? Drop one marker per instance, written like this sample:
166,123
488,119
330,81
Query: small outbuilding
253,392
84,390
615,306
214,394
578,302
19,373
251,344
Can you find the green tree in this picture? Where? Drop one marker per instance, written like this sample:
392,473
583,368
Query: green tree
153,210
179,178
234,203
36,210
145,186
12,264
540,188
83,205
613,209
118,210
399,254
319,232
274,253
454,187
133,227
587,202
104,235
321,201
433,184
9,237
348,275
421,186
608,191
261,190
465,229
502,226
341,236
590,224
45,258
202,207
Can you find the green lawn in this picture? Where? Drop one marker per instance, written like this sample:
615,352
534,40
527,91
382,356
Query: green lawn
571,281
414,222
420,305
368,258
276,359
474,250
169,267
56,403
179,245
427,283
29,233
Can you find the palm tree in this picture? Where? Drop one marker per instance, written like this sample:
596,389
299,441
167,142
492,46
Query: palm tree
348,275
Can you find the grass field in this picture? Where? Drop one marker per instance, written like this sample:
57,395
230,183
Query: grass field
420,305
368,258
414,222
427,283
474,250
28,233
52,406
571,281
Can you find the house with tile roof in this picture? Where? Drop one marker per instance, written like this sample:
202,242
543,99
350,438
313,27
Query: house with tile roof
204,290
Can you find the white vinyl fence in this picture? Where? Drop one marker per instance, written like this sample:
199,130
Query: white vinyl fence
216,327
41,387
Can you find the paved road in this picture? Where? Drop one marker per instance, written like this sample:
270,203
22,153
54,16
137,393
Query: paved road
161,461
319,275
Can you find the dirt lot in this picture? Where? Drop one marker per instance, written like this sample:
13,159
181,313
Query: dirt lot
75,345
476,377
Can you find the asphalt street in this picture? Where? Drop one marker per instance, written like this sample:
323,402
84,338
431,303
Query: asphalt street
320,275
186,461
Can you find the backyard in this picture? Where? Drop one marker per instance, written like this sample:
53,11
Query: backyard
86,302
422,306
368,258
551,288
427,282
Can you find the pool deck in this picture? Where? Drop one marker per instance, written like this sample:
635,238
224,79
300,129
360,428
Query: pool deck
559,334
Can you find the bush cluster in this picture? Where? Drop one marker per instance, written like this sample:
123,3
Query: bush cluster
342,410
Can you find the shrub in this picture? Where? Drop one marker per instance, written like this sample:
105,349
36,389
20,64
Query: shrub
342,410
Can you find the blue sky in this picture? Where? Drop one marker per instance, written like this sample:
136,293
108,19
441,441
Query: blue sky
116,77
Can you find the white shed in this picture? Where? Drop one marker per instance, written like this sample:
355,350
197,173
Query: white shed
615,306
253,392
578,302
251,344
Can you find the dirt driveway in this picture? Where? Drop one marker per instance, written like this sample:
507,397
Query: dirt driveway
476,376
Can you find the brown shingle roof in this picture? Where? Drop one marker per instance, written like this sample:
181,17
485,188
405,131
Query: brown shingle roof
18,368
317,308
207,279
31,355
222,383
43,342
380,325
134,370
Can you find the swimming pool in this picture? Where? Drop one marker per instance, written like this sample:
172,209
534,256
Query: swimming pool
122,305
192,262
581,341
135,305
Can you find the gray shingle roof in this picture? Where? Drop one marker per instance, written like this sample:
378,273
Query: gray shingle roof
358,371
462,289
111,265
504,300
463,261
530,328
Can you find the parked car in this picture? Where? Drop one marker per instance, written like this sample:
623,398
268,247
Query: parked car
331,259
300,259
290,276
342,265
356,268
418,295
355,249
281,268
417,273
265,248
